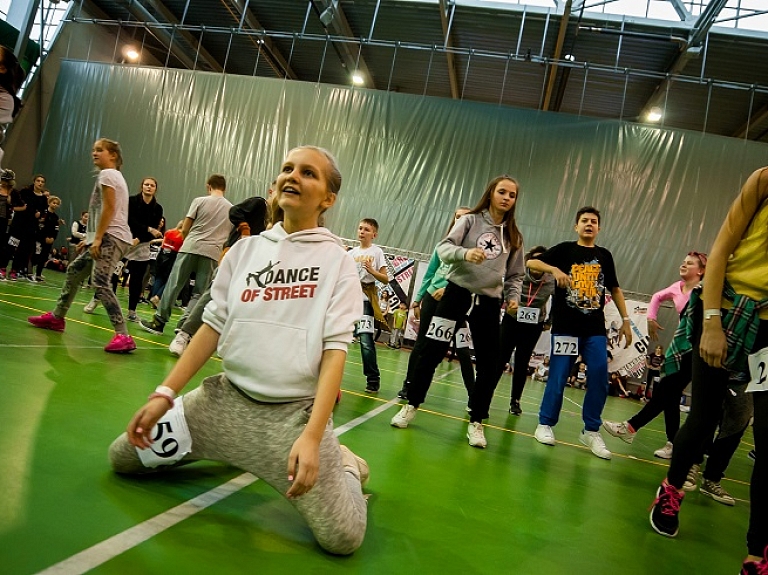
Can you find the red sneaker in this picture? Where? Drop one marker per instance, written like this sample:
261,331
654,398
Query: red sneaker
48,321
121,343
756,567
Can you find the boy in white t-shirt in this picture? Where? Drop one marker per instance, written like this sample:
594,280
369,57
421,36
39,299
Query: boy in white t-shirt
371,267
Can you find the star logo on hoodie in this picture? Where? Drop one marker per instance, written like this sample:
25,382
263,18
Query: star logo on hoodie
490,244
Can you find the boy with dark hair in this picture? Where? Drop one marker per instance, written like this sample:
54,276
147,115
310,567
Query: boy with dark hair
49,230
584,272
371,267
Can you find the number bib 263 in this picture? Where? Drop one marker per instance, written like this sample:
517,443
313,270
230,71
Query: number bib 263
528,314
441,329
758,371
171,437
565,345
365,325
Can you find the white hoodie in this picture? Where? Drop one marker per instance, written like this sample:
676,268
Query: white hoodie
279,300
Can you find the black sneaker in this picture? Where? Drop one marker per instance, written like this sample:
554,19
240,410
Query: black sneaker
372,388
514,408
155,326
403,393
665,510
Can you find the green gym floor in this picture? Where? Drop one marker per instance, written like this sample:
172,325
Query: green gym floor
436,504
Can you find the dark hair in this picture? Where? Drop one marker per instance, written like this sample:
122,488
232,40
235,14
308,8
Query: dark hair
371,222
513,233
535,250
588,210
141,185
8,177
217,182
13,78
112,147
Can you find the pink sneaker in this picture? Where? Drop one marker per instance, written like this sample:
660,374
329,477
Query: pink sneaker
120,344
48,321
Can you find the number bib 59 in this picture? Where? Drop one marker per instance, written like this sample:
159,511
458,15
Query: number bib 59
758,371
565,345
365,325
171,437
441,329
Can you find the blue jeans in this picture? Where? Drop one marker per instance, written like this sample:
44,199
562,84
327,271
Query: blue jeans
368,353
593,350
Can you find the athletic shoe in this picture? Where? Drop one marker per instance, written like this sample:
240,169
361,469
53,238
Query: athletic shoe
514,407
665,510
121,343
716,492
403,393
665,452
91,306
372,387
154,301
2,274
544,434
693,478
39,279
476,436
620,430
179,343
756,567
594,441
13,276
154,326
404,416
355,464
132,316
48,321
28,277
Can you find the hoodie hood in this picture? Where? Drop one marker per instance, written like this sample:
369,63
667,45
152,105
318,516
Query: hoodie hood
319,234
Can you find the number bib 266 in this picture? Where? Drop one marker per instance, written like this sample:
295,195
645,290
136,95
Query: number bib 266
171,438
441,329
758,371
463,338
565,345
365,325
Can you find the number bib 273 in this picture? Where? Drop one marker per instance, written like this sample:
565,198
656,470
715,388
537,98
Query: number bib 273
171,438
528,314
365,325
565,345
441,329
758,370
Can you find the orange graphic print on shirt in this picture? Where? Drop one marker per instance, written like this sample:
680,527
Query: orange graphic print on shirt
587,286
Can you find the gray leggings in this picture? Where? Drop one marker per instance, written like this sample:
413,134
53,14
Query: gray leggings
112,250
257,437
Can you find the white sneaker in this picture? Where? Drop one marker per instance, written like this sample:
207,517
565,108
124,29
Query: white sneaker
594,441
404,416
665,452
620,430
179,343
355,464
91,306
544,434
476,436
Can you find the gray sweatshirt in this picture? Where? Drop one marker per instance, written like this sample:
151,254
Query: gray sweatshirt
501,269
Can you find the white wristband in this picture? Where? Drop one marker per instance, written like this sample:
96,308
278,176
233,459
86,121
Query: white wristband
167,391
625,318
710,313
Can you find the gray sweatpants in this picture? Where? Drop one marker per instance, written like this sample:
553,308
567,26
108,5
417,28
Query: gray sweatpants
257,437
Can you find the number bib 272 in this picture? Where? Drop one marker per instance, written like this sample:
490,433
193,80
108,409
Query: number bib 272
171,437
365,325
441,329
758,370
565,345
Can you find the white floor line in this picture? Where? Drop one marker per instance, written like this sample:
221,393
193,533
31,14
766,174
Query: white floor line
573,402
447,373
110,548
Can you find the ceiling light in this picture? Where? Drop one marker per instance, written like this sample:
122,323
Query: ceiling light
357,79
654,115
131,54
326,17
569,57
